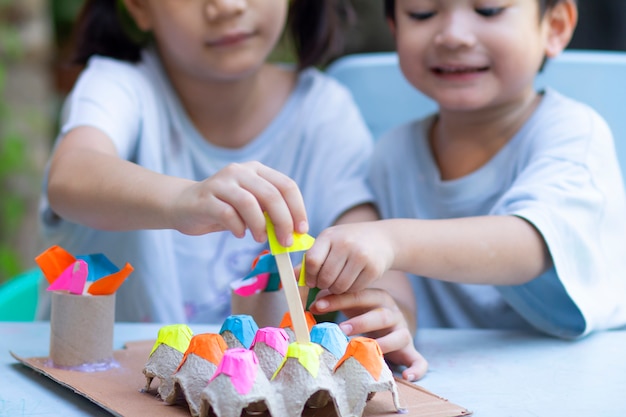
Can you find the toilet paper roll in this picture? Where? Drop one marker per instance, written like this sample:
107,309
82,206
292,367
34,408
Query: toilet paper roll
267,308
81,329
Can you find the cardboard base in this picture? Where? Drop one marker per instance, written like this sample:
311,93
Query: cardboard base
119,390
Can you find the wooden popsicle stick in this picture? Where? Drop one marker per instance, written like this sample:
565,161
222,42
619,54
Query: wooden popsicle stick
304,296
296,310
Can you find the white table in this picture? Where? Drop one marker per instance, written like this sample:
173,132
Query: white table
492,373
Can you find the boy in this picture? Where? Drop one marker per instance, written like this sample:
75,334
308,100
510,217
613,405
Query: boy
507,205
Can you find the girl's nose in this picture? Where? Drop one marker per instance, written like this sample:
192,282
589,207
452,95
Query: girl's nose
456,32
218,9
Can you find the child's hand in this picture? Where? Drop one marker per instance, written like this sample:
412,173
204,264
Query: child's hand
348,257
375,313
235,198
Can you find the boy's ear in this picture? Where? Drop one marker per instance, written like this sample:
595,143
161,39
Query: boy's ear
139,11
561,21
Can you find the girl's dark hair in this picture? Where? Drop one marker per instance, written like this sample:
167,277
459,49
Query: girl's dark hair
101,31
544,5
316,27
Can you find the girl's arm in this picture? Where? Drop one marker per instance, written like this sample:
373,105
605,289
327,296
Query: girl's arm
89,184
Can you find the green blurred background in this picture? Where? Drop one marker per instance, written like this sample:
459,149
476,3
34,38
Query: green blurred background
33,35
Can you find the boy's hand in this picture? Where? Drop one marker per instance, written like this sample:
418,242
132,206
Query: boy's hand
235,198
348,257
374,313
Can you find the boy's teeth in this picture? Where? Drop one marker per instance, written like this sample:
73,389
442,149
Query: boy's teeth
458,70
455,70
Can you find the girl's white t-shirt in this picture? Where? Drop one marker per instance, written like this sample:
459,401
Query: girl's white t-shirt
318,138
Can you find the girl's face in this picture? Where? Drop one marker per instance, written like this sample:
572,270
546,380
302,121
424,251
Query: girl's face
216,40
471,54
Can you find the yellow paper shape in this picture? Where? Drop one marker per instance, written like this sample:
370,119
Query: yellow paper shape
302,277
301,241
308,354
176,336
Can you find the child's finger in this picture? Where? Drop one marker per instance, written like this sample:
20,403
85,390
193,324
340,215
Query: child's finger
416,370
346,279
325,266
363,300
408,356
239,187
227,216
395,341
355,277
263,195
373,320
399,348
331,274
295,218
314,260
247,210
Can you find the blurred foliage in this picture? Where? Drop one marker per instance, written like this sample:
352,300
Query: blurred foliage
64,13
13,155
16,167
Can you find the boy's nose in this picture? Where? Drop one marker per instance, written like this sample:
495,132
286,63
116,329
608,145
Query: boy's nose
216,9
455,32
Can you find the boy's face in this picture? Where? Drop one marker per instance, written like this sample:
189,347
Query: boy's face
472,54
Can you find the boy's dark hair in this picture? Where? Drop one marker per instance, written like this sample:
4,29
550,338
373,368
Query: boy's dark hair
105,28
544,5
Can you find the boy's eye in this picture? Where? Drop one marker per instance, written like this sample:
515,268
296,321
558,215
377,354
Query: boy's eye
421,15
490,11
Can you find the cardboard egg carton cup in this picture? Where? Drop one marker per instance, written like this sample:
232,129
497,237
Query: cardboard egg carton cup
244,368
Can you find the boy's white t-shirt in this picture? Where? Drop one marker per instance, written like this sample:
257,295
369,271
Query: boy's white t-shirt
318,139
560,173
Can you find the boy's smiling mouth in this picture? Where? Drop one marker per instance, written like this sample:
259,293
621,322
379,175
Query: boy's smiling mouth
458,69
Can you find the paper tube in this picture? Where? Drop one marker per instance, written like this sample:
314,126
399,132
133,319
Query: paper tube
267,308
81,329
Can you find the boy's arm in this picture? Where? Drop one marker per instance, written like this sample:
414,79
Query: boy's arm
496,250
89,184
385,311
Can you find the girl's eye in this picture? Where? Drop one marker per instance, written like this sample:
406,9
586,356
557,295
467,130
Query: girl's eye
421,15
490,11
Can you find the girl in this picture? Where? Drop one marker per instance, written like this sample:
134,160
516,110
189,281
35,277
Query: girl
172,148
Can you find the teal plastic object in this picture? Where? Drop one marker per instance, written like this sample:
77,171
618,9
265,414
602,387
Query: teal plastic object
386,99
18,296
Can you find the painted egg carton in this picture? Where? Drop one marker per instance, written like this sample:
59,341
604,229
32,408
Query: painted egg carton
244,368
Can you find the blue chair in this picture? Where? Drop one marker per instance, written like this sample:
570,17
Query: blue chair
386,99
19,295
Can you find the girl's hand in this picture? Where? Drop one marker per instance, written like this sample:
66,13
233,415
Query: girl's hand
348,257
235,198
374,313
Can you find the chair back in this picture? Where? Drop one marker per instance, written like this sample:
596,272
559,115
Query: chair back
19,295
386,99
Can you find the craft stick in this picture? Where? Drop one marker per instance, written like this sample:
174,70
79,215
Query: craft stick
296,310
